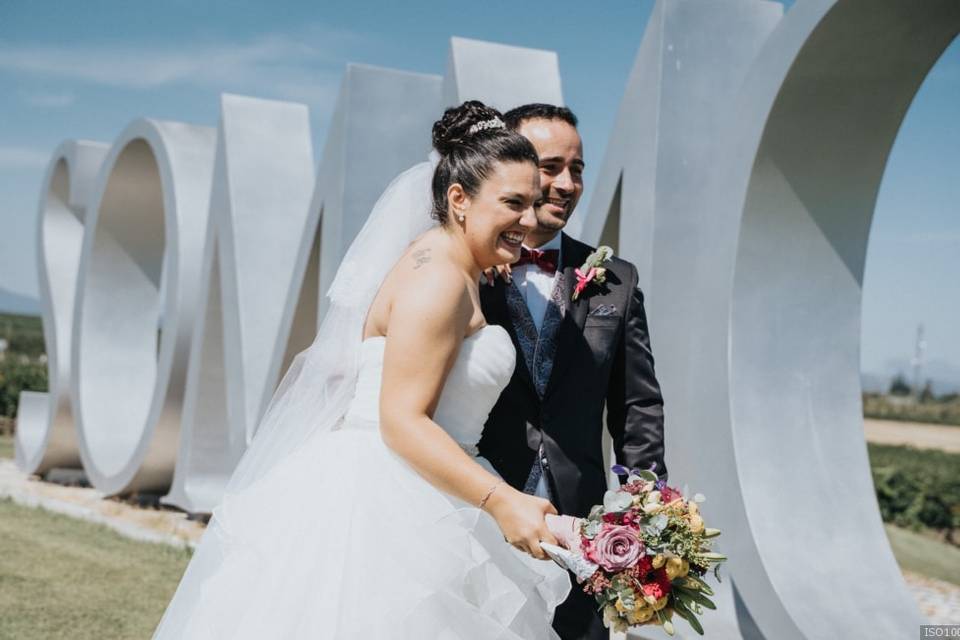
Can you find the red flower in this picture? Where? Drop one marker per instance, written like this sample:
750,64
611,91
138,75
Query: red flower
659,586
643,567
653,589
669,494
583,279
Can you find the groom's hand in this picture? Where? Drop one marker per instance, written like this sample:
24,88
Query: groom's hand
522,519
502,270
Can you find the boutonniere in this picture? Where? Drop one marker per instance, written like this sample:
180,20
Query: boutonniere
592,270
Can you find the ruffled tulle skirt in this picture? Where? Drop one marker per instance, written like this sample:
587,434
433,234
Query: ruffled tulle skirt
345,540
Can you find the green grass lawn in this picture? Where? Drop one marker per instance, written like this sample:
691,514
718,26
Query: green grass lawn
921,554
64,578
6,446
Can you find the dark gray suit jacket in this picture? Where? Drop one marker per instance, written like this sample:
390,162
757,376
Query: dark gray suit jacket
600,360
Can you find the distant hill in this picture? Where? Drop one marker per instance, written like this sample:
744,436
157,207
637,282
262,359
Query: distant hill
16,303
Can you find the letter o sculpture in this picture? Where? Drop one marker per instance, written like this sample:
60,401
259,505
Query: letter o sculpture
46,436
135,306
771,329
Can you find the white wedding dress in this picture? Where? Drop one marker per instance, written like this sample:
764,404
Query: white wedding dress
346,540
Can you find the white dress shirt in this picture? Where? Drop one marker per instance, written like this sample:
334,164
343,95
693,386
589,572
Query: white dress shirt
536,285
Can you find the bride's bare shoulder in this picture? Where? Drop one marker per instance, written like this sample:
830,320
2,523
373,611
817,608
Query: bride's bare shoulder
423,285
426,279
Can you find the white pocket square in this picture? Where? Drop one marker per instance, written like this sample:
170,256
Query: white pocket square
603,310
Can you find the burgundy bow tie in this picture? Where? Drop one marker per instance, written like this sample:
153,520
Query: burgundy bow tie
546,259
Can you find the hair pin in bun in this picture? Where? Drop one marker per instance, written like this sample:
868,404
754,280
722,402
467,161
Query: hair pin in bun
492,123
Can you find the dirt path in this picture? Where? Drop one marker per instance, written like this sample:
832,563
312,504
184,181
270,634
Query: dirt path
916,434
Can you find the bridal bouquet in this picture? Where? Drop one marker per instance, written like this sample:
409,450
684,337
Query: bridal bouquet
643,554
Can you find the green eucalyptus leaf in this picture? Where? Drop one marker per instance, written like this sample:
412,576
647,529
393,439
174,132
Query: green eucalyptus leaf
699,598
692,582
689,616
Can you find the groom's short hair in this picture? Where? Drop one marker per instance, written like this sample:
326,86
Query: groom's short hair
517,116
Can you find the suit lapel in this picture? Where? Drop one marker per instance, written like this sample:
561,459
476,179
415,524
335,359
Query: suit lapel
575,311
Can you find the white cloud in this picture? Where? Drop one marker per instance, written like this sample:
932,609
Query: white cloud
23,158
302,66
48,99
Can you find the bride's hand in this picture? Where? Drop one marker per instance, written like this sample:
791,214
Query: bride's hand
522,519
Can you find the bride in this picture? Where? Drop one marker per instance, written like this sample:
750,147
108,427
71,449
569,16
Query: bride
361,509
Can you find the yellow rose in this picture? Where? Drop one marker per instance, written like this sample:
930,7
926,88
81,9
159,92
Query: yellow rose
620,607
658,560
693,508
661,603
696,524
685,569
674,567
653,497
640,615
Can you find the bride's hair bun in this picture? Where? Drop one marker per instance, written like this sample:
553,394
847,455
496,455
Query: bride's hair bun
463,122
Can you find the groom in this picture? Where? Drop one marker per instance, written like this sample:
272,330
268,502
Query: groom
574,357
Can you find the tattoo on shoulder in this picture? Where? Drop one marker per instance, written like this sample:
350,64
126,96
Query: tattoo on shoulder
421,257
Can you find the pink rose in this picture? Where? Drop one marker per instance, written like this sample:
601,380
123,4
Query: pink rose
615,548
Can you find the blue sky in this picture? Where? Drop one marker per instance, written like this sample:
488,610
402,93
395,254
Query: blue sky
85,69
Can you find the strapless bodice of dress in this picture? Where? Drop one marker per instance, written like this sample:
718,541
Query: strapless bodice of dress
481,370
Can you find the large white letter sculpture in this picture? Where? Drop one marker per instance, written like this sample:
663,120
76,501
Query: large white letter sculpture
262,181
751,222
136,302
46,435
202,268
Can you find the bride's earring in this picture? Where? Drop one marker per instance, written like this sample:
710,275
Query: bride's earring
460,216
